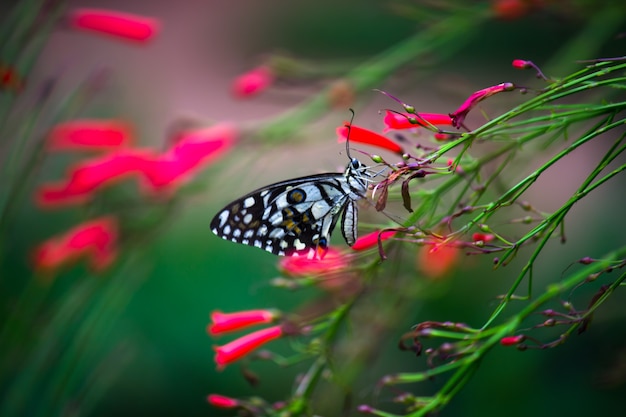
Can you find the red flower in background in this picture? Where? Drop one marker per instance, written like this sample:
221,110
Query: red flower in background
221,401
301,266
438,260
88,176
90,134
95,240
120,25
361,135
228,322
399,121
253,82
242,346
193,150
371,239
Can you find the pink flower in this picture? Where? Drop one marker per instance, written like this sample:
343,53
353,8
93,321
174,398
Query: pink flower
194,149
458,116
361,135
121,25
89,134
521,64
400,121
95,240
253,82
228,322
88,176
512,340
371,239
221,401
242,346
483,237
301,266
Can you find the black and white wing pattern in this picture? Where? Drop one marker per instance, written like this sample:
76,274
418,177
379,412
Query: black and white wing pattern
296,216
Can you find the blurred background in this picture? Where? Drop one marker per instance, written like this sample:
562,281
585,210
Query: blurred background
148,353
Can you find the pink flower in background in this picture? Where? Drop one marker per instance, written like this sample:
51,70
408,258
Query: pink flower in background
370,240
238,348
399,121
368,137
194,149
228,322
221,401
458,116
521,64
301,266
10,80
253,82
117,24
90,134
85,178
95,240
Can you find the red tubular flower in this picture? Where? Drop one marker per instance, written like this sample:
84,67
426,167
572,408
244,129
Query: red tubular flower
483,237
459,115
521,64
86,177
361,135
371,239
221,401
95,240
512,340
194,149
10,80
228,322
401,121
120,25
301,266
437,261
90,134
253,82
242,346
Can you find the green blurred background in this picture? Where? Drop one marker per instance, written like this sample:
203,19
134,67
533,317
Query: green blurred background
157,358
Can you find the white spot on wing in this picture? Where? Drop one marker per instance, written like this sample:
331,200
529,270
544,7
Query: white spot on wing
248,202
223,217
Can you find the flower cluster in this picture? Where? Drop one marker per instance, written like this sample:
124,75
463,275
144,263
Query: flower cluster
158,172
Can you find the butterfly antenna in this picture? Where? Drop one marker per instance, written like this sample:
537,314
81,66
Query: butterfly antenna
349,126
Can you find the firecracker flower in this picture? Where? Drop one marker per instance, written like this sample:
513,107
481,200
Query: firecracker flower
89,134
85,178
177,165
95,240
228,322
238,348
371,240
436,261
194,149
301,266
253,82
512,340
124,26
221,401
458,116
400,121
368,137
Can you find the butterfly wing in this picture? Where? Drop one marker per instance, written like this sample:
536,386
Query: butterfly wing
287,218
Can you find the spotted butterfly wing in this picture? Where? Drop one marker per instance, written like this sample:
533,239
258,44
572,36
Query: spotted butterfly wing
297,216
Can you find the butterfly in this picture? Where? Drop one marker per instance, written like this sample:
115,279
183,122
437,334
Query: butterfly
296,216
